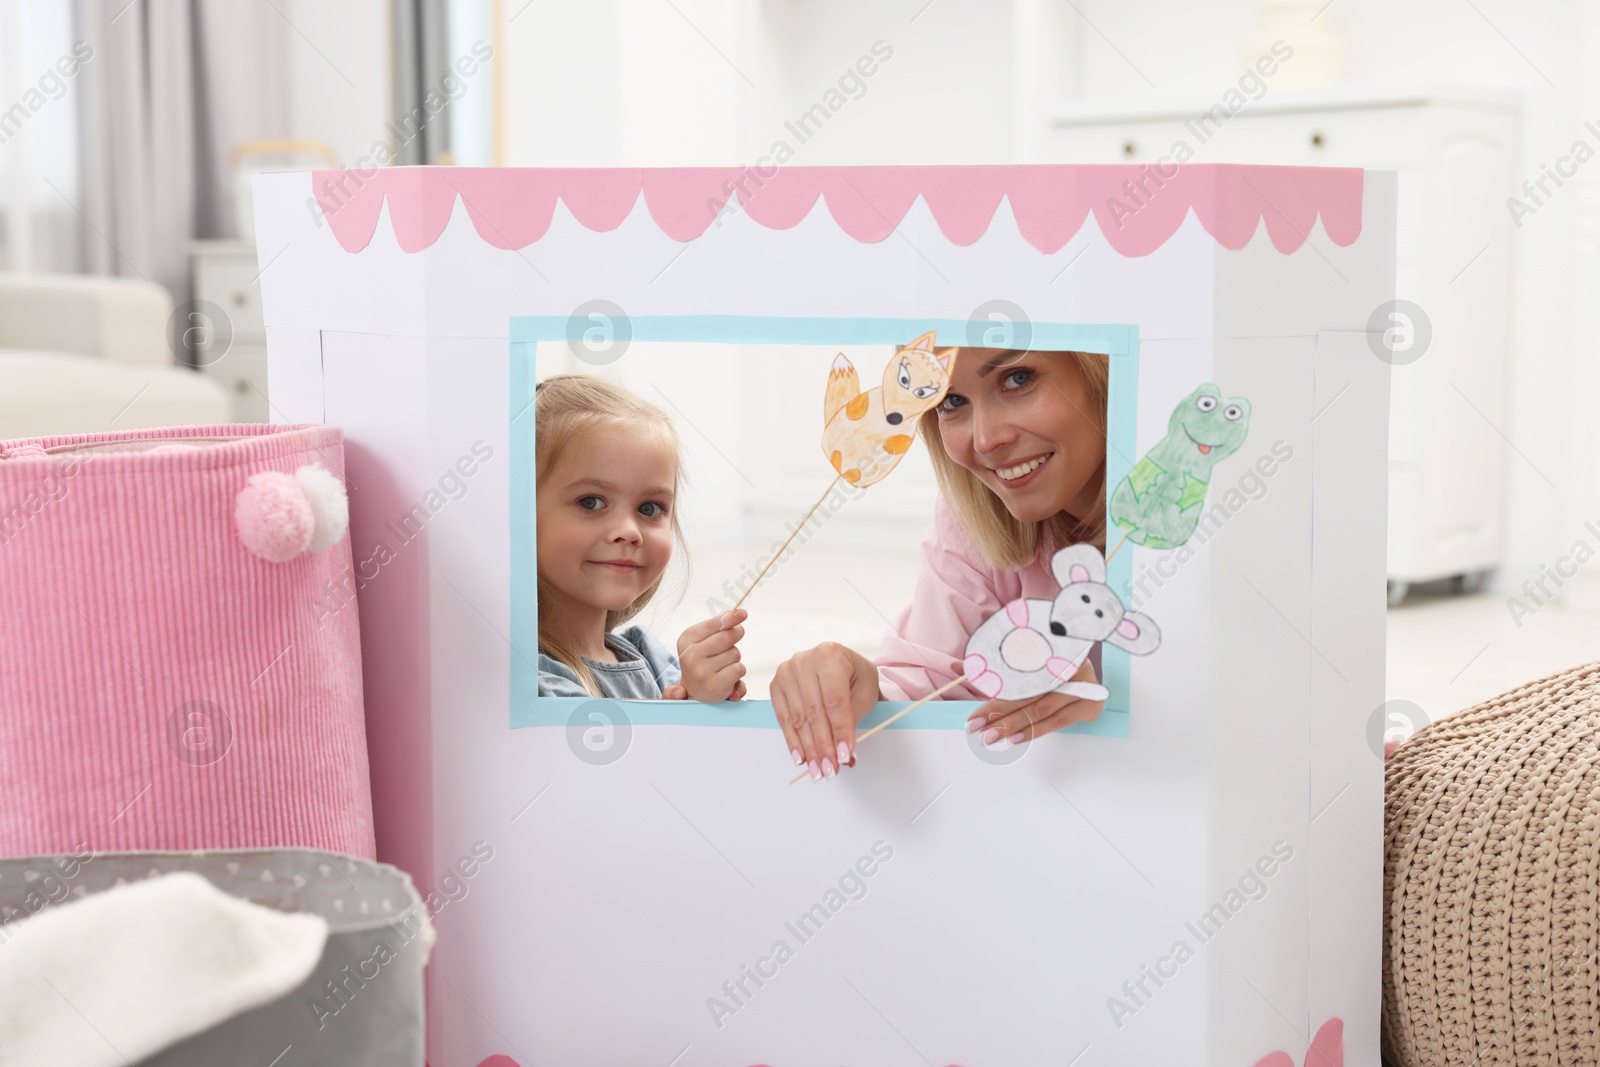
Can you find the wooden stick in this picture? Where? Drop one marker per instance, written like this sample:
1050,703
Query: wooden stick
1113,552
792,534
905,710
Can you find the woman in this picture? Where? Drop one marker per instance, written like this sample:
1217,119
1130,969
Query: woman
1018,445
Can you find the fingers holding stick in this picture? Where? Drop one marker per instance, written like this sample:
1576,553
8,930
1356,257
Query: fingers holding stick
902,712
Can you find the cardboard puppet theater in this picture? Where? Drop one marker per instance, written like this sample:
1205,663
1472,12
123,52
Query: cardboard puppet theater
1194,877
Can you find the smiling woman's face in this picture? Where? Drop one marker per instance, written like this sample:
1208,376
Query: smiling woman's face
1023,423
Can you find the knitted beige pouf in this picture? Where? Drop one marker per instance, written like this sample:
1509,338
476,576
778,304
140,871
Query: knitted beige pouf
1491,936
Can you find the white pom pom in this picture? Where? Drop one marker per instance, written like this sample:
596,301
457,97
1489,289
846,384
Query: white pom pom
329,503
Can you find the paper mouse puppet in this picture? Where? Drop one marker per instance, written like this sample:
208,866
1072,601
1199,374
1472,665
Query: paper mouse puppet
1031,647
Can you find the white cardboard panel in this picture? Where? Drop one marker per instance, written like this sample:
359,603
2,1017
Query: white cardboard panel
620,898
1260,699
1348,626
375,387
294,374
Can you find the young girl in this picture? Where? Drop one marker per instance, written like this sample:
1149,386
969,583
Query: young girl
1018,445
607,480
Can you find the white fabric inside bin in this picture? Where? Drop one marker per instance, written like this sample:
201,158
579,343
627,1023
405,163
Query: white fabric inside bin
117,976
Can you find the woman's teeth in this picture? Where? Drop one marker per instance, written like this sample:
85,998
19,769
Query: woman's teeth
1013,473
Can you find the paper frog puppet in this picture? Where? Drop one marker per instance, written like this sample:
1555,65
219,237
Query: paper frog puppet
1031,647
1159,503
864,434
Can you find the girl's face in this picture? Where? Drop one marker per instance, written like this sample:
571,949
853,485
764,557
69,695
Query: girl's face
605,519
1024,424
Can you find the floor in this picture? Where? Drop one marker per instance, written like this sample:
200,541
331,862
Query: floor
1449,652
1446,651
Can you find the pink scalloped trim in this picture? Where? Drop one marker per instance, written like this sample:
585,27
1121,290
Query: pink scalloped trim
1327,1049
512,208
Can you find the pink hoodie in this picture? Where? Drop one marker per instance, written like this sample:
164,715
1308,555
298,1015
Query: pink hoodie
956,590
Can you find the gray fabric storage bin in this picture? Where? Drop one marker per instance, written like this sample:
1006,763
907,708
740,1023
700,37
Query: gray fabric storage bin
361,1007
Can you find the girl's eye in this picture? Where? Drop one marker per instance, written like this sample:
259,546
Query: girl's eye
651,510
905,377
583,502
950,402
1026,376
1206,403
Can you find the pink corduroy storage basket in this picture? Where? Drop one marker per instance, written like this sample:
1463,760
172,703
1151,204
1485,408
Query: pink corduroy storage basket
162,685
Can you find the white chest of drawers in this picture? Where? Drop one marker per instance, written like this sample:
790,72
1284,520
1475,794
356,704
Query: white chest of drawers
225,278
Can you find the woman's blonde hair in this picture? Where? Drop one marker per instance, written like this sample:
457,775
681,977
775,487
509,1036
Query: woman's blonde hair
1004,540
565,406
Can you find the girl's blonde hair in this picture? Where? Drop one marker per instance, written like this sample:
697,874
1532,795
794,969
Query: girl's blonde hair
1004,540
565,406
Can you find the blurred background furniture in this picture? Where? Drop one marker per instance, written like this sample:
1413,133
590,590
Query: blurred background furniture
1454,149
1491,893
227,287
83,354
227,277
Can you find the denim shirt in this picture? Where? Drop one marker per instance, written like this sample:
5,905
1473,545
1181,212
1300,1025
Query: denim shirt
645,667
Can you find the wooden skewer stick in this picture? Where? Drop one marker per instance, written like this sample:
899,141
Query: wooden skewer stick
791,537
913,707
1113,552
908,708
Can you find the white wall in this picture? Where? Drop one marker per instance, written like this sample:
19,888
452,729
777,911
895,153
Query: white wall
340,58
1186,47
625,82
942,97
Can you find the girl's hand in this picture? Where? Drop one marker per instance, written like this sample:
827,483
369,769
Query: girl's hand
1024,720
819,695
708,656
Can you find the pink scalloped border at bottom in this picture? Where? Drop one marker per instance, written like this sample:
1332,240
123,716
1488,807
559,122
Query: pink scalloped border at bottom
1327,1050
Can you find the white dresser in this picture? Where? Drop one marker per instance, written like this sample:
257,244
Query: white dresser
227,300
1455,150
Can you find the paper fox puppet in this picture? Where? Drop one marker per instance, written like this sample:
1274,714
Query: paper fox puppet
864,434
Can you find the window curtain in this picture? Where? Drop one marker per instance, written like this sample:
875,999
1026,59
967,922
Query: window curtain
422,59
172,87
39,67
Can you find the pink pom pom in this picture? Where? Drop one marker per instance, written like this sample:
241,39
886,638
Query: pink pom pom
274,517
24,450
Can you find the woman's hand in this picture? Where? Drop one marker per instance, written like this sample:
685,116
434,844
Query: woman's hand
1024,720
708,656
819,695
